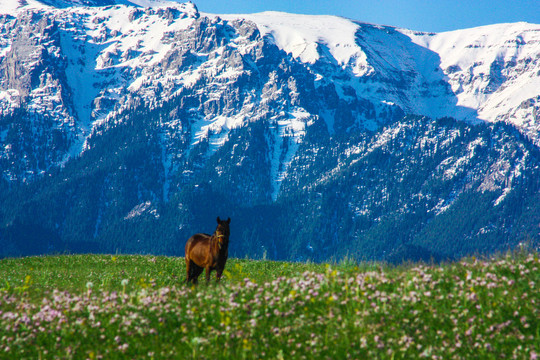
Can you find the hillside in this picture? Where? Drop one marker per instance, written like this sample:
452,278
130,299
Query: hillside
135,307
126,129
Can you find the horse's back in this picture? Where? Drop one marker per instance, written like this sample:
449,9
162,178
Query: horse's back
196,240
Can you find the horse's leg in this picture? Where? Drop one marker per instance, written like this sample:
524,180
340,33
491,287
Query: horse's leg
219,272
197,270
208,274
188,263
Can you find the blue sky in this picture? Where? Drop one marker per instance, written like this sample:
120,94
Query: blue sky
423,15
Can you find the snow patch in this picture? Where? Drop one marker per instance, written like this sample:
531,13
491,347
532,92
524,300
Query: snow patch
13,7
142,208
310,37
215,130
288,135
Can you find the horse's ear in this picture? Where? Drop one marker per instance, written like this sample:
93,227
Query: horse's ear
218,220
228,220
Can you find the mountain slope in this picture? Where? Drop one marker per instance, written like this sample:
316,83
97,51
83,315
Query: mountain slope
415,189
494,70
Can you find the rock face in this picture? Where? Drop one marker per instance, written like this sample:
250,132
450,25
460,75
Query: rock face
116,117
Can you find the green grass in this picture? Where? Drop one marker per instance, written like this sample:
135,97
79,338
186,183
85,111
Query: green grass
137,307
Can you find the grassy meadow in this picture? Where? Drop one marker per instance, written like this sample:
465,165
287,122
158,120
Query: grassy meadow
137,307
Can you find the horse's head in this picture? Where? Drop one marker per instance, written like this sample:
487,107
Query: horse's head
222,231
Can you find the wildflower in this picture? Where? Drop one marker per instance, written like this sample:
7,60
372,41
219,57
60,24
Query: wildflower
196,340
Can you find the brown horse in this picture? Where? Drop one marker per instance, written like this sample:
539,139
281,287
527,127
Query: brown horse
208,252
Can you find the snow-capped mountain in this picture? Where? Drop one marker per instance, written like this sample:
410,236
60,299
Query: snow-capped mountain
169,99
81,65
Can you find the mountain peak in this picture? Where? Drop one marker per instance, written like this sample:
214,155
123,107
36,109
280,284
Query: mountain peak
187,7
12,7
308,37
